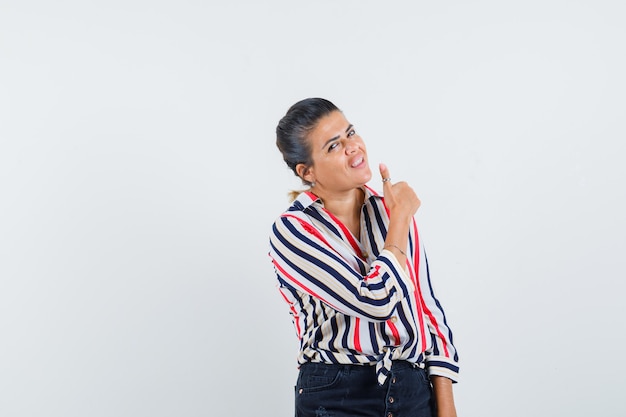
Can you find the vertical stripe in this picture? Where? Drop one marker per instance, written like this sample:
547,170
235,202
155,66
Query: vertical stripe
335,296
430,315
357,334
296,317
394,332
347,233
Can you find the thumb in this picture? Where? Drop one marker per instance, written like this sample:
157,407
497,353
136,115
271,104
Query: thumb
384,173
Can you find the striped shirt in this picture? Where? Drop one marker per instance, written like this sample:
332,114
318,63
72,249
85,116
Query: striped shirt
350,300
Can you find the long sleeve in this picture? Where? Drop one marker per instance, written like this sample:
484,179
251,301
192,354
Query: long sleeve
350,299
308,262
441,358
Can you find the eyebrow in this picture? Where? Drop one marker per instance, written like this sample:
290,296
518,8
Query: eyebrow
336,137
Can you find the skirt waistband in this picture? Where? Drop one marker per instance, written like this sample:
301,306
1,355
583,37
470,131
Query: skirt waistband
395,365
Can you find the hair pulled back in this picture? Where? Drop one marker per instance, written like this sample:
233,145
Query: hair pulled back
294,127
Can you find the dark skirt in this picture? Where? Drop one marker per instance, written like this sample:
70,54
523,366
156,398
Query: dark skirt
324,390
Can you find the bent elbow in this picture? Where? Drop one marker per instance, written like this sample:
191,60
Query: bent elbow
384,312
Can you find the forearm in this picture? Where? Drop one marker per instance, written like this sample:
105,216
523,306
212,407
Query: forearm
372,297
401,203
398,235
444,397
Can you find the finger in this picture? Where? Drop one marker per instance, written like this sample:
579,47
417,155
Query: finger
384,173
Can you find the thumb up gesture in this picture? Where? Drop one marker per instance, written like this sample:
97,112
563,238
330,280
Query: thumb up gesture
400,198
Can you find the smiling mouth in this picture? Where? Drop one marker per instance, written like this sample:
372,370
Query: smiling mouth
358,162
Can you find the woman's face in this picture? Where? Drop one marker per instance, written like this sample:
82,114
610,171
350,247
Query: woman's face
339,155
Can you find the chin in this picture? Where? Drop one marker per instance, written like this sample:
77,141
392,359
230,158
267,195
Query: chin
365,181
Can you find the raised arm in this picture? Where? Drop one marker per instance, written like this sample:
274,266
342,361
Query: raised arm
402,204
306,261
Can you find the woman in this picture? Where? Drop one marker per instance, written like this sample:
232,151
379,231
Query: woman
373,338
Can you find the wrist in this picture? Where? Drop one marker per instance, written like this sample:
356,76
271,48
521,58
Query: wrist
390,246
400,214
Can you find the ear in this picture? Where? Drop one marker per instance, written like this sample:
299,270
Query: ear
305,172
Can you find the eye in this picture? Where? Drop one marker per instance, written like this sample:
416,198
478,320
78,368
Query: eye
351,133
333,146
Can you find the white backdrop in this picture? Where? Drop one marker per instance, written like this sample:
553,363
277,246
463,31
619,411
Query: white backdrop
139,179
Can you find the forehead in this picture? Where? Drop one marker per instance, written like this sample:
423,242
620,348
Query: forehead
332,125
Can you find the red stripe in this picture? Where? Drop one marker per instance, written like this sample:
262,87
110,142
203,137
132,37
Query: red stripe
373,274
309,228
300,285
371,190
416,250
416,259
429,313
357,334
382,199
418,306
394,332
413,273
312,196
386,208
441,336
347,233
296,318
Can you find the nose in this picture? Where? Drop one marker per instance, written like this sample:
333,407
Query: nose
351,147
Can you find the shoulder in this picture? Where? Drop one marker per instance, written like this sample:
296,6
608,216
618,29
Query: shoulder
303,204
293,220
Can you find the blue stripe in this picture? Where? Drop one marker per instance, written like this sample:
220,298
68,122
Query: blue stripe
372,328
386,261
344,336
407,325
318,216
433,340
335,330
442,364
299,247
370,235
432,294
329,291
330,271
379,221
384,335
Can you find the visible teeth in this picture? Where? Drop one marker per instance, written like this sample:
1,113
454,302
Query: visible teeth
357,162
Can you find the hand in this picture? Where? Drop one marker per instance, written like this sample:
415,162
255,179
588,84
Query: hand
400,198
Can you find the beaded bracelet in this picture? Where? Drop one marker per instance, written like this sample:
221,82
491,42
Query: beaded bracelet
394,246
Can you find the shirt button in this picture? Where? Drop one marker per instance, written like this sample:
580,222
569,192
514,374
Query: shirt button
393,380
389,414
300,391
390,400
394,319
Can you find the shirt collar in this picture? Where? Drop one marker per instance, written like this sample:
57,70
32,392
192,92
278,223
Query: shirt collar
307,198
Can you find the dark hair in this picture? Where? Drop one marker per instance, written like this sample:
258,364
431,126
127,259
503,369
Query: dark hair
294,127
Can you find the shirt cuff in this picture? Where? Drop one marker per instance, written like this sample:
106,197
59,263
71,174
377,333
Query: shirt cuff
442,366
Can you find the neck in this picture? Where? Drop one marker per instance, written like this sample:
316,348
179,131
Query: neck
344,205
